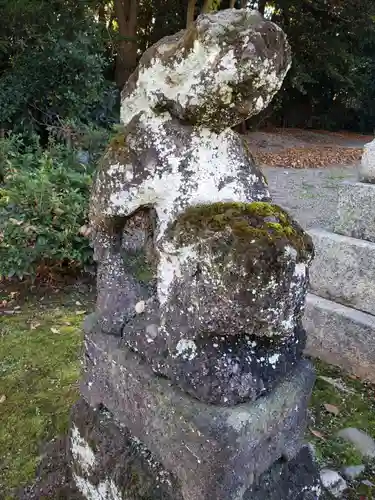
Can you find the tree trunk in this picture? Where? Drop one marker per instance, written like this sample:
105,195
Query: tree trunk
190,13
206,6
126,60
232,4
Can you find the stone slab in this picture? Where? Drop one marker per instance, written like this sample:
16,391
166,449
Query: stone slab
107,462
340,336
53,478
355,212
195,441
343,270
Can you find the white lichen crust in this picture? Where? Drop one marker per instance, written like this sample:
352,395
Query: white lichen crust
84,458
225,68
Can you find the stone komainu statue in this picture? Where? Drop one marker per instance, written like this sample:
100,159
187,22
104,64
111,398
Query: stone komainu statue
193,376
198,270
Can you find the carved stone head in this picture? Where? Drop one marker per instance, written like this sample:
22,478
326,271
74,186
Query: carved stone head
225,68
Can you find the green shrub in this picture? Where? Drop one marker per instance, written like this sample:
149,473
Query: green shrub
43,206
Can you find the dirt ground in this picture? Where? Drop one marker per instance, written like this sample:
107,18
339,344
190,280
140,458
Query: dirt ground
297,148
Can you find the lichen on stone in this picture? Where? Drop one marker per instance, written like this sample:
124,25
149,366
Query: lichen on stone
222,70
219,259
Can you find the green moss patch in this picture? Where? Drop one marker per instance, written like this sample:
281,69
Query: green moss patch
259,222
39,368
117,150
137,265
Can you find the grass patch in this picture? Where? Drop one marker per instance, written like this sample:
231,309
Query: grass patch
356,408
39,368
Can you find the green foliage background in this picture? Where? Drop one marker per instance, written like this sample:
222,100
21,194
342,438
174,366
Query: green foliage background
43,204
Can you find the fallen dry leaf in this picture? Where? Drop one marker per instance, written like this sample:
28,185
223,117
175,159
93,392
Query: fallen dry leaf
310,157
34,326
79,313
2,398
317,434
55,330
331,408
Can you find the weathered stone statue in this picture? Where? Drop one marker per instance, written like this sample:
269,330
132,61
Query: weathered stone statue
194,386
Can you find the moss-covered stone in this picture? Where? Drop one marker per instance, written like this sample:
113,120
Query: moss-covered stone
248,223
39,352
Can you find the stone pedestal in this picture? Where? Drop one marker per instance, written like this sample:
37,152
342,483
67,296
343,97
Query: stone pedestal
109,463
191,443
194,384
340,312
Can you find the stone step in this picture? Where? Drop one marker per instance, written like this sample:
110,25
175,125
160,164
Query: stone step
343,270
340,336
355,213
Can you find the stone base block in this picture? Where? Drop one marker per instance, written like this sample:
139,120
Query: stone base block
197,442
108,464
344,270
356,211
340,336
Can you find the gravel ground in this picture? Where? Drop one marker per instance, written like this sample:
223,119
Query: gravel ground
310,195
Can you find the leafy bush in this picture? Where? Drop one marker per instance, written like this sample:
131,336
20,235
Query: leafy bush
52,68
43,207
